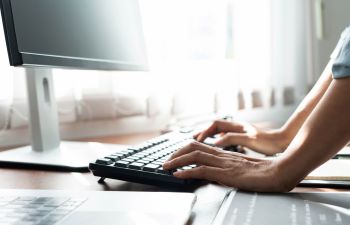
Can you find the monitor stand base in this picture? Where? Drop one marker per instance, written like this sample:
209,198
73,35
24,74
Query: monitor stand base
47,152
71,156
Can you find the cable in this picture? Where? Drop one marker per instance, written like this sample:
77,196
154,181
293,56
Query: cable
87,107
7,123
22,116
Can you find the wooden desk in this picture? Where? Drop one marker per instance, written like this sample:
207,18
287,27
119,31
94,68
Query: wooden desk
209,197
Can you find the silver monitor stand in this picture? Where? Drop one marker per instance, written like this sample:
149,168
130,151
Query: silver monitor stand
47,151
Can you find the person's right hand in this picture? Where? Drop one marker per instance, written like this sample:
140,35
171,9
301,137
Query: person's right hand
268,142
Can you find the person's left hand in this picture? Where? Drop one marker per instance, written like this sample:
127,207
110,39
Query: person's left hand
227,168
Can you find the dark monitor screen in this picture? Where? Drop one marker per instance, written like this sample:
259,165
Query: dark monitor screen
92,34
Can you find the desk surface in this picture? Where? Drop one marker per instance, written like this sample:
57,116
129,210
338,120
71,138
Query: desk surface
209,197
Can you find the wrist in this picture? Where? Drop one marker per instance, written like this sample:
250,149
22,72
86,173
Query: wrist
269,176
284,137
283,172
276,141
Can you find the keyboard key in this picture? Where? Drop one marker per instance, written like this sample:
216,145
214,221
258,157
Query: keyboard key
51,219
161,160
148,159
121,163
132,150
136,165
187,168
104,161
143,161
16,214
153,157
113,158
25,198
162,171
30,206
40,214
47,208
158,163
30,218
133,157
118,155
128,160
140,154
151,167
126,153
45,211
149,145
42,199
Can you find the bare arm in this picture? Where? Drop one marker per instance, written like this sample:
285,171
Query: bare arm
269,142
322,135
324,128
294,123
324,132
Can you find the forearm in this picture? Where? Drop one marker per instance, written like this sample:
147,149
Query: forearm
283,136
325,132
292,126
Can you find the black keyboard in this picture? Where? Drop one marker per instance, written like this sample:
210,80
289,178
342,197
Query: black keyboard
143,163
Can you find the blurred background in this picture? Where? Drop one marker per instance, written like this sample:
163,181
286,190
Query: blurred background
252,59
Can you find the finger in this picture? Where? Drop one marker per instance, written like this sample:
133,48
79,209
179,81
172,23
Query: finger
201,172
237,156
233,139
196,135
212,130
193,146
196,157
220,126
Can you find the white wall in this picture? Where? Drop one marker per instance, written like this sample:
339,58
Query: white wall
335,17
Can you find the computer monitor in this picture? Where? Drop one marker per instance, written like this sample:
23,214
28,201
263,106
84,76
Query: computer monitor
86,34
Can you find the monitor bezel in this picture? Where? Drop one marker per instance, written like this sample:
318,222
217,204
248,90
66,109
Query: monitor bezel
17,58
10,34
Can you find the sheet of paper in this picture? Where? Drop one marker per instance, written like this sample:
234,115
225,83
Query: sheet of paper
334,169
344,152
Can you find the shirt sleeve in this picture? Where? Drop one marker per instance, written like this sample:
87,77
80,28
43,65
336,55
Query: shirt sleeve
341,56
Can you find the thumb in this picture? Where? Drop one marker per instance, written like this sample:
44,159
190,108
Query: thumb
233,139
